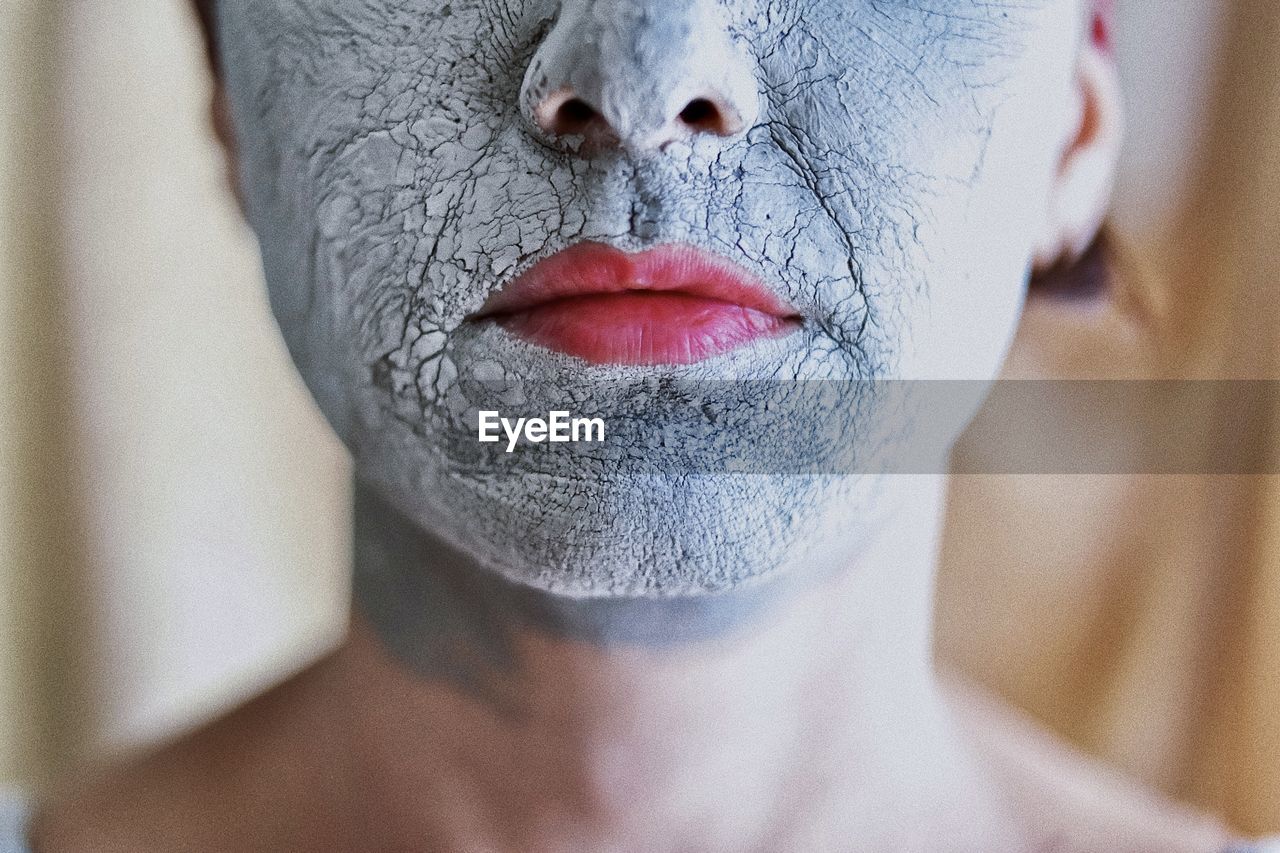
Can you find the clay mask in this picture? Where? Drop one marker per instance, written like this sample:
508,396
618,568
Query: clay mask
885,171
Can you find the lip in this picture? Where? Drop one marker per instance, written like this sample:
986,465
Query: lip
673,304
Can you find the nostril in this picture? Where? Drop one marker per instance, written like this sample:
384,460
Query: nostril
566,113
699,113
703,115
574,116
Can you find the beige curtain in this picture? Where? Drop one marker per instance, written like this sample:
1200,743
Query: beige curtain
1137,614
38,537
172,511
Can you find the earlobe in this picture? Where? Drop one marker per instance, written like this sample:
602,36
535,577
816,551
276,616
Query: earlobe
1081,192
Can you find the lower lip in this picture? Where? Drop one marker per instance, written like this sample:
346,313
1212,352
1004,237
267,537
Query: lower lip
644,327
670,305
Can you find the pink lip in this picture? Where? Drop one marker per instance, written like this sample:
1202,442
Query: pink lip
670,305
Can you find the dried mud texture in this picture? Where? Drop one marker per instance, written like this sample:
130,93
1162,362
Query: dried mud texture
887,184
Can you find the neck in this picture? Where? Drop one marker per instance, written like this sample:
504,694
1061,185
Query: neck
794,715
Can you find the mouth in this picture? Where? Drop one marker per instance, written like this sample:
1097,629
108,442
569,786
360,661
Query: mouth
667,306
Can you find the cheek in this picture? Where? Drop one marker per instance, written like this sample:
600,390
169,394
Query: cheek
336,106
982,241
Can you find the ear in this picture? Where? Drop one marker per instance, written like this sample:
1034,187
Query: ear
220,113
1082,188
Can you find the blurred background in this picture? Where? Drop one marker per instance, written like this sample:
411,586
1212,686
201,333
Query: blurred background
173,511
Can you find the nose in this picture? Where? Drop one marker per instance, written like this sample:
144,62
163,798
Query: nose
640,74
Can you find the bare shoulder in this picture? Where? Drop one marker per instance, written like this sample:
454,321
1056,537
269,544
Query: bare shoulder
1077,803
252,780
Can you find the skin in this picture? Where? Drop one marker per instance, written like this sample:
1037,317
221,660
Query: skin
819,726
596,651
395,188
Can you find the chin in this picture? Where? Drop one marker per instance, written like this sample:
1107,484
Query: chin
594,529
707,482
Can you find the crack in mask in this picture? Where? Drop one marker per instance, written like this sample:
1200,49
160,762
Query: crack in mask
888,185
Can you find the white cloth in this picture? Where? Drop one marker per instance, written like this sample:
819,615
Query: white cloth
14,812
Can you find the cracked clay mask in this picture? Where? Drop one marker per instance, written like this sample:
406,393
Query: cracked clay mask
881,167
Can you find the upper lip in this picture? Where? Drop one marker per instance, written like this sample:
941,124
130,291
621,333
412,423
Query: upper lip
595,269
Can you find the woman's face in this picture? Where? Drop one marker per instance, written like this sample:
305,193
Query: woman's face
880,167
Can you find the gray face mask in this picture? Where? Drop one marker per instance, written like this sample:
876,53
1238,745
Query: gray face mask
881,166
